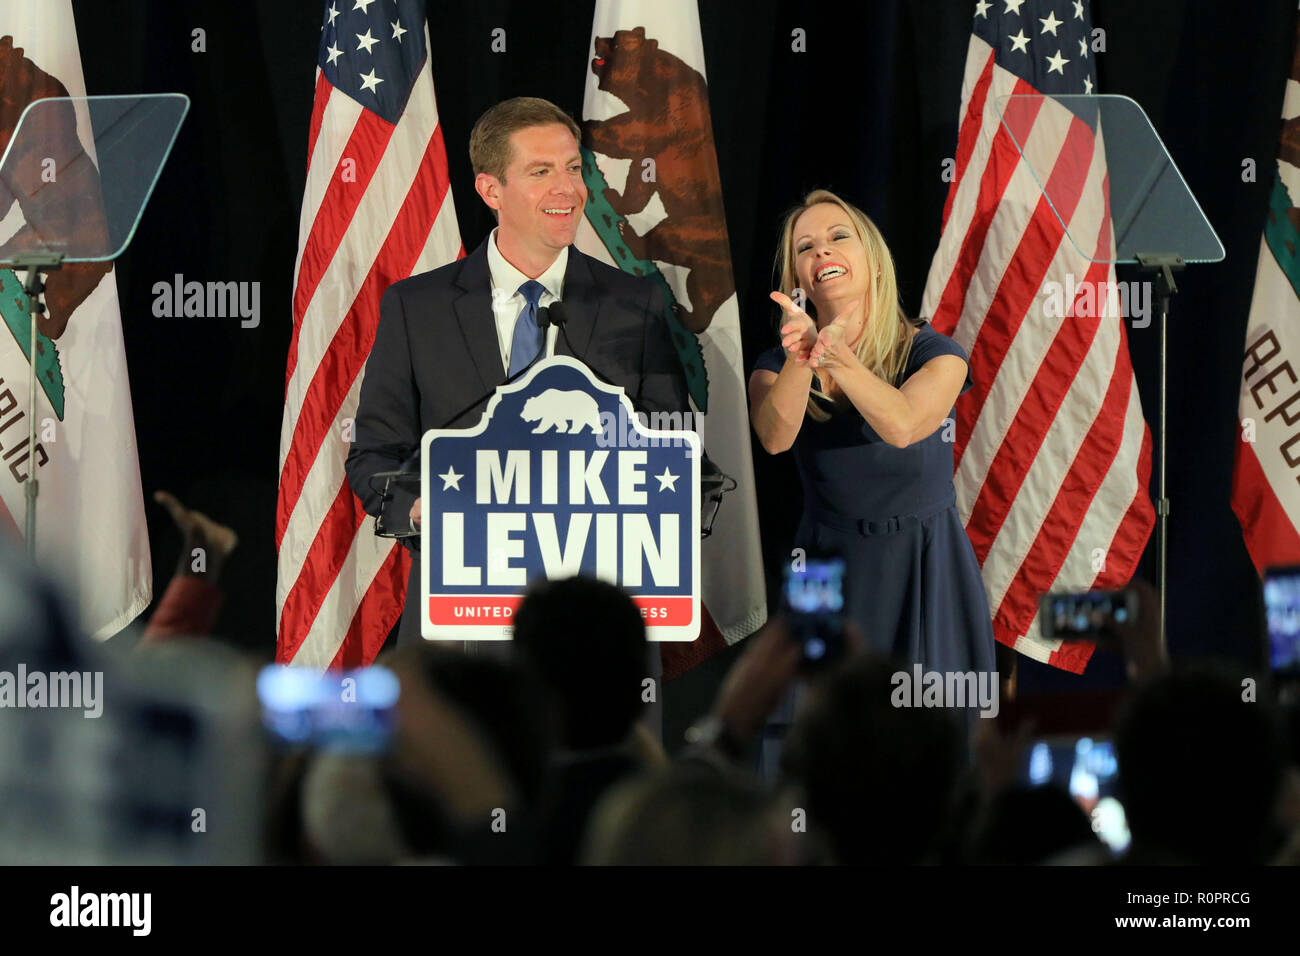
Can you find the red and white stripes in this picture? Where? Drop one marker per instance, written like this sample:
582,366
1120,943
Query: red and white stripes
1053,455
377,208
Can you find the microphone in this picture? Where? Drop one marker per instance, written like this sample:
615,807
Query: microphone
408,475
559,317
544,321
554,314
412,464
715,483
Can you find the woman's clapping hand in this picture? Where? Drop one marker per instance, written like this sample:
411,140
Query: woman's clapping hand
828,349
832,349
798,331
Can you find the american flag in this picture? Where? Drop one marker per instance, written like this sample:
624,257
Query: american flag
377,208
1053,455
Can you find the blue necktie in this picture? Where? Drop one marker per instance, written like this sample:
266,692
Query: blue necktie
528,338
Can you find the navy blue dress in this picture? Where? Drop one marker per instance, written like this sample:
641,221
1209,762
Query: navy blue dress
913,584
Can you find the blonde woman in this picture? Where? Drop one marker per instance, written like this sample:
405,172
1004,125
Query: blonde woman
860,394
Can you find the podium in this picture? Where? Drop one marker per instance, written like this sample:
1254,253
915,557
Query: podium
559,477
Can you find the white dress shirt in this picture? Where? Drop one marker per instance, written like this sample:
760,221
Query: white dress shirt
507,303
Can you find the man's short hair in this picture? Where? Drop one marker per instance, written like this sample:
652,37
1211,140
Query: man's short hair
587,641
878,780
1200,768
489,141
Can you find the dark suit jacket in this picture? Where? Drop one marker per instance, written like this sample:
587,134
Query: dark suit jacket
436,349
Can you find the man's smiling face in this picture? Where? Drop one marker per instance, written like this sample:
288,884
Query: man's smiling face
540,202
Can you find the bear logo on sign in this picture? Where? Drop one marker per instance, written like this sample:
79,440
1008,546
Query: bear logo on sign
564,411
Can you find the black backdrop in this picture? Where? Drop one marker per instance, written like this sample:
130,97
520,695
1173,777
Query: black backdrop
869,110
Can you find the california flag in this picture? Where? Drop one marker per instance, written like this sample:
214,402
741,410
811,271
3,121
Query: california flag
90,514
1266,477
655,210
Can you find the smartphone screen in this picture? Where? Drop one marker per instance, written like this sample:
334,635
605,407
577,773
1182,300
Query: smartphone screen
1282,607
1083,615
814,603
1087,769
352,711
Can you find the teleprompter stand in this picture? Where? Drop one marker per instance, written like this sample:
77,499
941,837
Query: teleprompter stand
81,170
1156,222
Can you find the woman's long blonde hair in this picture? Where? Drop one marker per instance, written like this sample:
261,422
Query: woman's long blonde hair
886,334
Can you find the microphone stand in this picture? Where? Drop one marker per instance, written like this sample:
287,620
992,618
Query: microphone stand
34,263
410,468
714,483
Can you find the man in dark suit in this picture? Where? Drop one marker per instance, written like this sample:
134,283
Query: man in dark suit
448,335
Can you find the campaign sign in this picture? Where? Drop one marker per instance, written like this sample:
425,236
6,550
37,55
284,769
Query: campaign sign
558,478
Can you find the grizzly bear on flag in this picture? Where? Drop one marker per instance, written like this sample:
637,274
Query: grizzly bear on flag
668,121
